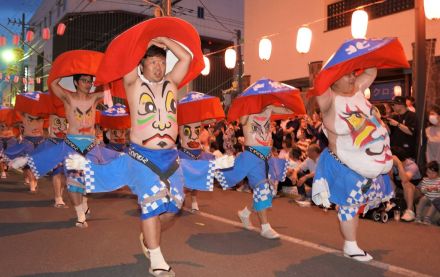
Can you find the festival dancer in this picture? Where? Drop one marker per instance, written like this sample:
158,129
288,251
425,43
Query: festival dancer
116,120
31,107
76,67
355,133
255,107
7,136
152,169
194,109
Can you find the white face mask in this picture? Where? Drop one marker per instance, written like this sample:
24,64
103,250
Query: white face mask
433,119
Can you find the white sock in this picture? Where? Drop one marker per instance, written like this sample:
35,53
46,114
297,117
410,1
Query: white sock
157,259
80,213
195,206
265,227
84,203
351,247
245,212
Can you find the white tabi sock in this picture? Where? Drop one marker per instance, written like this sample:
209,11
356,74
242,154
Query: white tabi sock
195,206
157,259
351,247
80,213
245,212
265,227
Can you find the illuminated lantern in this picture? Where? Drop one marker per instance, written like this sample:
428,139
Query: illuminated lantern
303,39
432,9
397,91
359,24
29,35
61,28
45,33
15,39
2,41
207,68
38,80
24,80
265,49
16,79
230,58
31,81
367,93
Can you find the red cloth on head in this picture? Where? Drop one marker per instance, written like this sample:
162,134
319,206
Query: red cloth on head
126,51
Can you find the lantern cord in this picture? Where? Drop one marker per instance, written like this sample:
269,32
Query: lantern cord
307,24
215,18
27,44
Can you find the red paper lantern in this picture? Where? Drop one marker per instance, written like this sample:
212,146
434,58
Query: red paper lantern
2,41
16,79
29,36
38,80
24,80
31,81
45,33
7,78
61,28
15,39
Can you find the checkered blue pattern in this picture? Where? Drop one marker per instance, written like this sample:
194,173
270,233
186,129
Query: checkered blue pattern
221,179
151,206
89,177
262,196
210,176
370,199
33,167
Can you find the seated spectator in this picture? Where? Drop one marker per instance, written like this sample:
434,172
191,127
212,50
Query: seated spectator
406,174
294,159
306,171
433,135
284,152
214,149
430,188
277,134
303,143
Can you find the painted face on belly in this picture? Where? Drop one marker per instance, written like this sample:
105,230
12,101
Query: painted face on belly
85,119
58,126
257,129
155,122
33,125
362,143
189,135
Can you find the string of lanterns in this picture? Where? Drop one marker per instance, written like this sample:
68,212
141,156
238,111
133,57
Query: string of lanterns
30,34
359,26
16,78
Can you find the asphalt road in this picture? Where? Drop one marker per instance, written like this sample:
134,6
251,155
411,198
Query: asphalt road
39,240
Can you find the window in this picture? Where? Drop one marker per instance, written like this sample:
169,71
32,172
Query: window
200,12
338,16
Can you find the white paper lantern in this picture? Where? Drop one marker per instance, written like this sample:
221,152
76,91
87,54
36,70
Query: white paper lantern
397,91
359,24
265,49
230,58
432,9
303,39
367,93
207,68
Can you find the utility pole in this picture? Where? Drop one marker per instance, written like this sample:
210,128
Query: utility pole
420,76
240,61
23,25
166,5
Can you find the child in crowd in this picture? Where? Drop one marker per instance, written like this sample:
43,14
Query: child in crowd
430,188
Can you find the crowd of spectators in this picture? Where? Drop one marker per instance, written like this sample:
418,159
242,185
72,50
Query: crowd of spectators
300,140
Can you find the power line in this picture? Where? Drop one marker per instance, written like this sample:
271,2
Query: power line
215,18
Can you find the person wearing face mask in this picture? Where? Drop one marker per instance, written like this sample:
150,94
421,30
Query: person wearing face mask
433,135
402,127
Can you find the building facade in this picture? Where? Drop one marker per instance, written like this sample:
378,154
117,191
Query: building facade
92,25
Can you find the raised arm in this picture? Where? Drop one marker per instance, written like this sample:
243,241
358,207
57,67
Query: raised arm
181,68
365,80
58,91
130,78
325,100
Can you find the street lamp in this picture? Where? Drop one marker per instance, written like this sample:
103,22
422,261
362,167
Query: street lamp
8,56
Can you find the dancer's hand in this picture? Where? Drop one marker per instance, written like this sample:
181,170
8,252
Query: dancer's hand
19,162
225,161
324,198
76,162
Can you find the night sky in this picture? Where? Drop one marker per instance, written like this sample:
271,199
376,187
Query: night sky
14,9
